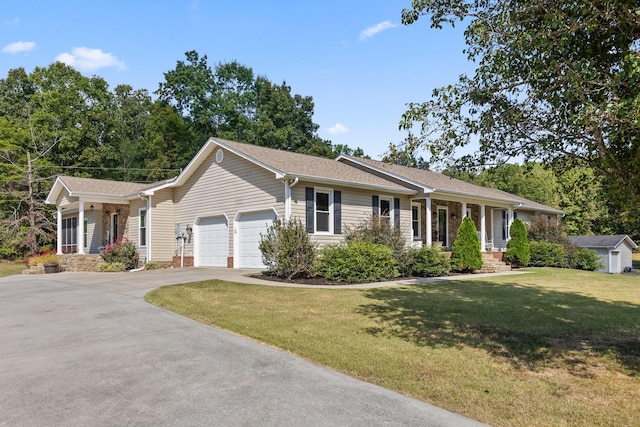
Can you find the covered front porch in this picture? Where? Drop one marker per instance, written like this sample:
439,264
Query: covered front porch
86,227
435,222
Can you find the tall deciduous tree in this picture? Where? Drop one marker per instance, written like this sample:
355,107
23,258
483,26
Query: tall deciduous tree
554,79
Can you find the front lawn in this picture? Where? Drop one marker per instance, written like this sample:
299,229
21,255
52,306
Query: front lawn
9,268
553,347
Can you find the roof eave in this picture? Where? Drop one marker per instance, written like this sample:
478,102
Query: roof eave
424,188
352,184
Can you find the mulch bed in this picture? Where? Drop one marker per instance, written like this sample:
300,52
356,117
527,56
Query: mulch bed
321,281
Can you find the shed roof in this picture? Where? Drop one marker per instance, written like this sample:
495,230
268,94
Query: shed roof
602,242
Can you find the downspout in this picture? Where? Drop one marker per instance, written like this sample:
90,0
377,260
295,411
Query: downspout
288,184
609,260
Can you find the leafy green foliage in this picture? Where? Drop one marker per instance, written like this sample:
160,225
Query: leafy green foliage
48,256
586,259
518,246
151,266
111,267
358,262
465,253
123,251
425,262
555,80
287,250
546,254
378,232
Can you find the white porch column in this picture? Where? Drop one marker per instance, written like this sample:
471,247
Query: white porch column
428,220
464,210
483,228
80,229
509,222
59,231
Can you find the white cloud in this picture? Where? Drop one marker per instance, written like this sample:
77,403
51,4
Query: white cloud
338,128
372,31
12,22
85,59
18,47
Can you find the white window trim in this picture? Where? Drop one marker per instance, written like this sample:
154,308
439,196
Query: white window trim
419,206
382,197
328,191
146,227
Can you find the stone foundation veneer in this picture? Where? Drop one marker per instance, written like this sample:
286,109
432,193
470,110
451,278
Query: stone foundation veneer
75,262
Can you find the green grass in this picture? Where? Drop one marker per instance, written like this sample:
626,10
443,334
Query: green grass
11,268
553,347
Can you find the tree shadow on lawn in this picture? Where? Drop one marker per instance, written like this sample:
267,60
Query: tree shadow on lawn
530,327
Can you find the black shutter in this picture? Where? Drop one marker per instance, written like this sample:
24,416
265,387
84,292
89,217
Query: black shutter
337,212
396,213
375,204
310,216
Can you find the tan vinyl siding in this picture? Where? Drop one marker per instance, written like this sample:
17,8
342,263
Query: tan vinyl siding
234,185
356,208
162,236
64,198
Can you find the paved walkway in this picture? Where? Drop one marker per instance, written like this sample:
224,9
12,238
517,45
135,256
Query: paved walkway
80,349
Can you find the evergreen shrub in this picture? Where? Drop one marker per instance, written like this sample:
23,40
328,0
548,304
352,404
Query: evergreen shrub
287,250
545,254
425,262
465,252
587,259
111,267
359,262
518,253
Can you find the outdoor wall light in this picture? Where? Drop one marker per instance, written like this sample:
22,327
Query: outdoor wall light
189,230
91,208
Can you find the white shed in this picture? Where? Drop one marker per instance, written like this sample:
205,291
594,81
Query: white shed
614,251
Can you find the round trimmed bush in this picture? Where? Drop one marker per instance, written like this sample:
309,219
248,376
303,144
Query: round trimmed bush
544,254
359,262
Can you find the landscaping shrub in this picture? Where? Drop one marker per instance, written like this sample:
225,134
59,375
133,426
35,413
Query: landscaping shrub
425,262
151,266
518,253
111,267
465,253
586,259
45,257
545,254
287,250
543,230
377,232
123,251
359,262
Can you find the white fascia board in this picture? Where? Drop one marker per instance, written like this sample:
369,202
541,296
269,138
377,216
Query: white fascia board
424,188
55,191
101,198
352,184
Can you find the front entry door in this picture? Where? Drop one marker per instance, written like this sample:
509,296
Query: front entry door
443,227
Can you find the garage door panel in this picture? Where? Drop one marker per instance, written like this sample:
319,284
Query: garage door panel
213,242
250,227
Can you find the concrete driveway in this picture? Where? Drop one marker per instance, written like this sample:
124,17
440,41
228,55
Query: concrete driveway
80,349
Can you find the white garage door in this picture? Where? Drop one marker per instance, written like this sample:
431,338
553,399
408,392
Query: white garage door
250,225
213,242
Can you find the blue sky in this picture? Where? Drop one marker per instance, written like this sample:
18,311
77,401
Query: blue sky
356,60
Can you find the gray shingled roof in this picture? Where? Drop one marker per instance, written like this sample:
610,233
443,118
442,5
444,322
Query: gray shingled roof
601,242
303,165
445,184
103,187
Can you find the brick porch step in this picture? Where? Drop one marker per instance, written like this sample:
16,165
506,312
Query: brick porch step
492,263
